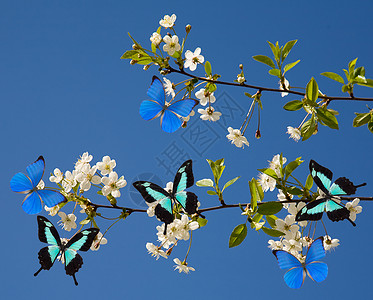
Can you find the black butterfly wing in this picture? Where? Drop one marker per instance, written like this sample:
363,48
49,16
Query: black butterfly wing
48,234
337,212
321,176
80,242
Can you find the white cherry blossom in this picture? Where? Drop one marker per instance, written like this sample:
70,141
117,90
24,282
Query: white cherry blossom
168,21
57,177
67,221
193,58
295,133
236,137
155,251
204,97
182,266
113,184
209,114
106,165
171,44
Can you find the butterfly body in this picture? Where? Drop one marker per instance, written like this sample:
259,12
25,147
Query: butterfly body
335,211
297,270
169,113
28,184
151,193
82,241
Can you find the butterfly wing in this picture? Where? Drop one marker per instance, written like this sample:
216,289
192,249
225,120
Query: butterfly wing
312,211
150,110
47,234
337,212
36,170
20,183
156,91
321,175
50,198
183,107
152,192
32,203
318,271
342,186
295,276
170,122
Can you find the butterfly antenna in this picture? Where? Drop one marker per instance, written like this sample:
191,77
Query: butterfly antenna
36,274
75,281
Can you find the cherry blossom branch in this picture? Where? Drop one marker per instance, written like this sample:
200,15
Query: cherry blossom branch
328,98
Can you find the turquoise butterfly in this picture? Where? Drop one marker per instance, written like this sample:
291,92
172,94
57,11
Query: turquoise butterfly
342,186
152,192
82,241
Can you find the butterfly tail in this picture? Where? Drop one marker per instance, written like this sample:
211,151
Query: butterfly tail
38,271
75,281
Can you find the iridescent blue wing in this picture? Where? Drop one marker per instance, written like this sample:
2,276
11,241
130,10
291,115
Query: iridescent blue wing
156,91
32,203
79,242
312,211
150,110
20,183
36,170
50,198
294,277
183,107
316,251
152,192
317,271
47,234
184,179
321,175
337,212
170,122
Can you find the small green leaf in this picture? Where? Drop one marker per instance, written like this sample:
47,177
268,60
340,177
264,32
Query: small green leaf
312,90
308,128
205,183
360,71
345,88
129,54
333,76
290,66
275,51
248,95
295,191
212,193
370,126
208,68
265,60
351,66
369,83
269,172
309,182
201,222
275,72
290,167
85,221
272,232
238,235
271,219
230,182
288,46
293,105
327,117
269,208
361,119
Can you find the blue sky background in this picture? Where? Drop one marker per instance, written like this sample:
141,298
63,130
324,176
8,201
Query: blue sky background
64,91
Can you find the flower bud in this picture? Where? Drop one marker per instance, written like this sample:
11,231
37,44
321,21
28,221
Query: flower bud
257,134
188,28
184,125
241,66
135,47
146,67
133,62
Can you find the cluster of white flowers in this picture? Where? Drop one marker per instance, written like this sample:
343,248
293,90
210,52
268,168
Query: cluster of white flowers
85,175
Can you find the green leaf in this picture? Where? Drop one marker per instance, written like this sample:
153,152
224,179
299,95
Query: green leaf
230,182
272,232
361,119
212,193
85,221
271,219
208,68
308,128
309,182
269,208
238,235
369,83
219,162
295,191
290,167
370,126
288,46
327,117
312,90
265,60
351,66
275,51
333,76
154,48
275,72
201,222
345,88
269,172
290,66
360,71
129,54
293,105
205,183
248,95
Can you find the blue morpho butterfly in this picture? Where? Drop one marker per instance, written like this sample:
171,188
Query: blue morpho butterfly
170,113
298,271
152,192
82,241
27,184
342,186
